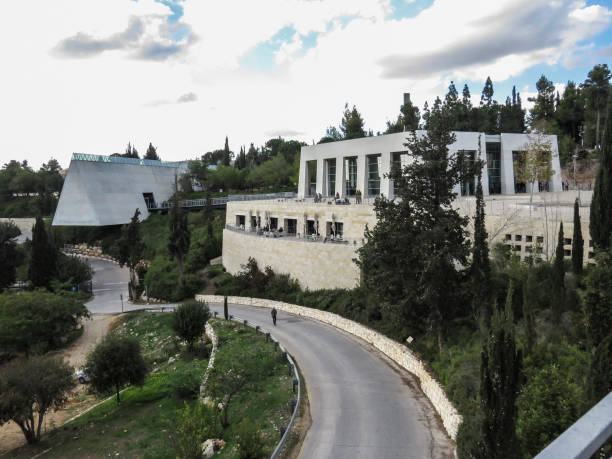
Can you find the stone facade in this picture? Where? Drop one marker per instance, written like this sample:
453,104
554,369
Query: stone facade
88,251
392,349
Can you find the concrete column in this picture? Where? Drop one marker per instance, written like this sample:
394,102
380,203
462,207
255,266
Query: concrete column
555,182
386,184
362,183
302,179
485,170
320,179
340,184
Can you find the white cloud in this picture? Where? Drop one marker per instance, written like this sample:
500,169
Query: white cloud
102,100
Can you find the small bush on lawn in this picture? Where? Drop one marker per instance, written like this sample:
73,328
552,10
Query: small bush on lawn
250,444
162,281
195,424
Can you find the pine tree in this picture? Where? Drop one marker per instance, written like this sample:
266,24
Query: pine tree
500,377
577,242
151,153
179,238
544,103
480,269
43,256
488,111
558,277
227,154
352,124
530,288
410,115
600,222
597,89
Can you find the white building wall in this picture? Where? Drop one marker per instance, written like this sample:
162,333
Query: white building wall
387,144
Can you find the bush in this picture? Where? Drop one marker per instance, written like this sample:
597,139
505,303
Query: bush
188,385
189,320
162,281
250,443
195,424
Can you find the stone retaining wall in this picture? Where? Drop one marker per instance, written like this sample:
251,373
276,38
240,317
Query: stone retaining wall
392,349
87,250
210,332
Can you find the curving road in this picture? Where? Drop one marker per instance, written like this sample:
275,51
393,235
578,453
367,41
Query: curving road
362,405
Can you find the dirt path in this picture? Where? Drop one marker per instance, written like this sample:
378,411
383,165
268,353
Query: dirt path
95,329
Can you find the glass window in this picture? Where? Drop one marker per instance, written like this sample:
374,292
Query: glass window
398,161
467,186
494,167
373,165
350,167
520,164
331,177
290,225
311,169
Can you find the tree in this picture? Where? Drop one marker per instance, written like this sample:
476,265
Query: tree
480,268
116,361
530,290
352,124
29,389
597,88
570,111
37,320
8,254
577,242
544,103
179,237
549,404
598,299
488,110
43,256
600,222
225,309
131,247
512,115
195,424
227,154
500,386
189,320
408,119
130,152
151,153
600,374
534,163
558,277
411,257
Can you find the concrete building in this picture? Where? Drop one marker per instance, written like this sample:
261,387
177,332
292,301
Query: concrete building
362,164
106,190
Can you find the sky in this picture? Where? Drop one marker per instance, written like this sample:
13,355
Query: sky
91,76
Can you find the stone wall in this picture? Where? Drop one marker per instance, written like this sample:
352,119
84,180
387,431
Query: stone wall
392,349
316,265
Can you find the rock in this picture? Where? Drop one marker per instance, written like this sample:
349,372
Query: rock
211,446
171,359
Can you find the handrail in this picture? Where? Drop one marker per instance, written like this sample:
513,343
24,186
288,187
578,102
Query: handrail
190,203
585,436
123,160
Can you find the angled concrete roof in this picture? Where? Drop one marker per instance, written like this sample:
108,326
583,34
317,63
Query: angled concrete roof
103,190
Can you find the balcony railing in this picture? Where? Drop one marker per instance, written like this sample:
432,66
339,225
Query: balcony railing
258,232
122,160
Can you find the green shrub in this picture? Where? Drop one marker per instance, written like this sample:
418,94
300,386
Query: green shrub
187,386
162,281
250,443
189,320
194,425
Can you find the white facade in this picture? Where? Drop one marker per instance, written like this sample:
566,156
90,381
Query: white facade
363,164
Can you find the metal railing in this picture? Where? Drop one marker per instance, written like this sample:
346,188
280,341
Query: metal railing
585,436
296,381
291,236
215,202
122,160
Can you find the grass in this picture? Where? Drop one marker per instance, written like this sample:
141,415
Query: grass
143,424
266,402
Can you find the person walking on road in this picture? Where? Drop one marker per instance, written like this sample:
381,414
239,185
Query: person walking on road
273,312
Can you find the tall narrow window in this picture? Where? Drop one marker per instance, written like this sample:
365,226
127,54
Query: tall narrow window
519,160
373,164
331,177
311,169
350,166
494,167
467,185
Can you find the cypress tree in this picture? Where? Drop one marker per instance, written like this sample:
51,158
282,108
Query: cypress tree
500,386
130,248
529,290
225,308
577,242
42,260
480,269
601,210
558,278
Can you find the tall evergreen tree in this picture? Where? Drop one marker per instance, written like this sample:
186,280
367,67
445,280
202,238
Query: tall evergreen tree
577,242
412,255
465,112
352,124
131,247
43,258
600,222
8,253
407,120
179,238
597,88
151,153
544,103
227,154
570,111
558,277
488,111
530,288
480,269
500,372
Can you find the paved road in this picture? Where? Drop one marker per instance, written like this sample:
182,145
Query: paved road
109,282
362,405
